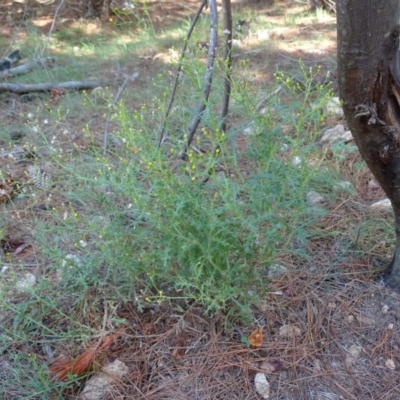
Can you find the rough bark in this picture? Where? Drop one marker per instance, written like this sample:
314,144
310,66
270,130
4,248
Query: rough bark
368,74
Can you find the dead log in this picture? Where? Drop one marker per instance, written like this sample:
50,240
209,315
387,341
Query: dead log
24,68
47,87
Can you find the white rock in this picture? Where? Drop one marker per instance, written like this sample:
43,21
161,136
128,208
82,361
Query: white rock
355,351
373,184
385,309
314,198
347,137
276,270
284,148
263,111
336,134
296,161
384,205
25,283
262,385
390,364
250,129
98,386
333,107
350,318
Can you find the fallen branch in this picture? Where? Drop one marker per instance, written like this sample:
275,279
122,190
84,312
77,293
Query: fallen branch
24,68
128,78
46,87
207,78
227,57
178,71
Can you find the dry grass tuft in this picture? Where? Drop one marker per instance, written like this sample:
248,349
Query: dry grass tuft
60,369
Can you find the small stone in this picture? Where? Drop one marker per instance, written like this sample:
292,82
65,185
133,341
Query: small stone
262,385
314,198
284,148
98,386
333,107
385,309
296,161
373,184
25,283
276,270
382,205
250,129
390,364
336,134
355,351
350,319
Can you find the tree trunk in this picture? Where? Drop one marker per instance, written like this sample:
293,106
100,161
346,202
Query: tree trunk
369,77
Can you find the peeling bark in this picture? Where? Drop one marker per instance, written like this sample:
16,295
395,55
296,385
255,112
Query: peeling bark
369,86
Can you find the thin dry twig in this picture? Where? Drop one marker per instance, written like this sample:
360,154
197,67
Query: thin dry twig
178,71
207,77
131,77
227,60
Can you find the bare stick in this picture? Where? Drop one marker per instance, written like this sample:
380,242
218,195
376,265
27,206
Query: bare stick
227,59
207,77
227,63
46,87
265,98
178,71
132,78
24,68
